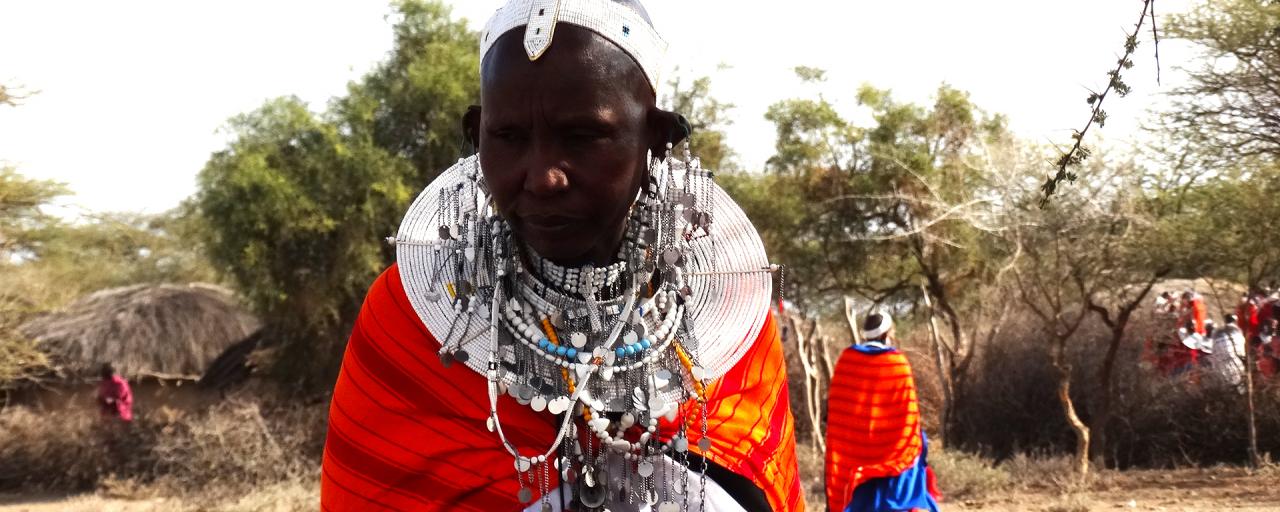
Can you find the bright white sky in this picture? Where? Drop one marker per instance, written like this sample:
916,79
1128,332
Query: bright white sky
132,94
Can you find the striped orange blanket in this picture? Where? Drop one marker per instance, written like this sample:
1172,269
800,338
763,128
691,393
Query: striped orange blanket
406,433
873,422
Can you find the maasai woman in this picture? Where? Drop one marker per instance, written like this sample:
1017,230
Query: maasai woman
578,318
876,450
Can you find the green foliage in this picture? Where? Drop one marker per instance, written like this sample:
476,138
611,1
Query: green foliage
412,103
1226,110
295,211
708,118
872,209
1222,226
298,204
21,218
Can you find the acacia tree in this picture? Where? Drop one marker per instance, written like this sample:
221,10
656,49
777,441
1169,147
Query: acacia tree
23,226
1097,249
412,103
882,210
298,203
1229,108
296,211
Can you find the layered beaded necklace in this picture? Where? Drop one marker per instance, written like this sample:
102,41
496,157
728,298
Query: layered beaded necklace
610,351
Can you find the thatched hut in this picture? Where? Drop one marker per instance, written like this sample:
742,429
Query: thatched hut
159,336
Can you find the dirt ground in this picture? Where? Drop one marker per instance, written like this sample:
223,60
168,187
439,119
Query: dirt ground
79,503
1188,490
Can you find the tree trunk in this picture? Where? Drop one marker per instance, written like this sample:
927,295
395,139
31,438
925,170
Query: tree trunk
812,382
1099,422
944,368
1069,410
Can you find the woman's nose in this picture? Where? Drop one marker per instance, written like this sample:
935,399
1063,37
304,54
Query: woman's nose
546,177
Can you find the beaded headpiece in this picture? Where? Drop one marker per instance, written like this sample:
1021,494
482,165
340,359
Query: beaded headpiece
620,24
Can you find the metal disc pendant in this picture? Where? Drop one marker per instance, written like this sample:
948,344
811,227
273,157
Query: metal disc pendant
446,359
578,340
546,507
592,496
645,468
538,403
445,234
668,506
661,379
671,256
525,495
462,356
682,444
704,444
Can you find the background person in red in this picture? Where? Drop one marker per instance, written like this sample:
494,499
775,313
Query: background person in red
115,399
877,452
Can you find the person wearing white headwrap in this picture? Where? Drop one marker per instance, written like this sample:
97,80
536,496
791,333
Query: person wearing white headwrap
1227,358
877,451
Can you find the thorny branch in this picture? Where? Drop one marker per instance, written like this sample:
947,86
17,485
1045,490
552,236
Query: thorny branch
1078,153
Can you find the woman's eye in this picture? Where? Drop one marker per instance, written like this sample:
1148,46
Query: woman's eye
586,135
507,135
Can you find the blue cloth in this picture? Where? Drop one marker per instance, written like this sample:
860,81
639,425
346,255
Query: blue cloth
908,491
872,350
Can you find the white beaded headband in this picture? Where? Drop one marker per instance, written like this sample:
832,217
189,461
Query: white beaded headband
621,25
886,323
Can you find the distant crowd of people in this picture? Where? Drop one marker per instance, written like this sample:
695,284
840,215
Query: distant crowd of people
1197,347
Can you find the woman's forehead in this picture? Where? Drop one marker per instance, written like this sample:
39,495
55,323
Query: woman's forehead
582,68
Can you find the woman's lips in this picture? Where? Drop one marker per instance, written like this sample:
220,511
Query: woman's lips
548,222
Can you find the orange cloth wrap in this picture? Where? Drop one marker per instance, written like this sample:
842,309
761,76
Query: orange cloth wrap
406,433
873,422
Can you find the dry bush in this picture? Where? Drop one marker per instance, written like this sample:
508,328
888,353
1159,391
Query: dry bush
1007,405
235,448
965,476
1071,502
228,451
66,450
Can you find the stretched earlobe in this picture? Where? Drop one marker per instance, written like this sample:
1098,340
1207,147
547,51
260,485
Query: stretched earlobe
667,128
471,127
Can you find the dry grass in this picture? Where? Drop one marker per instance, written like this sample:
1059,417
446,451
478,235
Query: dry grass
964,476
240,453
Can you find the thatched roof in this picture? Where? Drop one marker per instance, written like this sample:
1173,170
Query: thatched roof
162,330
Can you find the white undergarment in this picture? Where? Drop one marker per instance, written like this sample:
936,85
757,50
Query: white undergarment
717,500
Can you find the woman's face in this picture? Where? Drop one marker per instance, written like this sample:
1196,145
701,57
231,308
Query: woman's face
563,142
